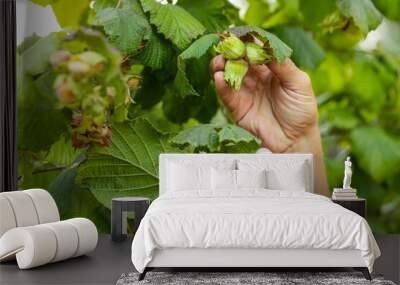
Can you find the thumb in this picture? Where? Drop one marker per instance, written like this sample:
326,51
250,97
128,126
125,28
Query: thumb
289,74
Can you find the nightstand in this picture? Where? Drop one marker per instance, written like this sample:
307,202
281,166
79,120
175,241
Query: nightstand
358,206
120,207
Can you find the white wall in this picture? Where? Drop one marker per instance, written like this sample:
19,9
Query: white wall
32,18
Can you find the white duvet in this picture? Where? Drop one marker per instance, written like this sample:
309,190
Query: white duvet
250,219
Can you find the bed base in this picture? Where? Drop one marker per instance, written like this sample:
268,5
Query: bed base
363,270
250,259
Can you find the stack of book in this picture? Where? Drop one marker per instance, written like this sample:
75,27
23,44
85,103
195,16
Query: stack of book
344,194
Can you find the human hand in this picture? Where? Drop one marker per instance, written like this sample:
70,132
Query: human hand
276,103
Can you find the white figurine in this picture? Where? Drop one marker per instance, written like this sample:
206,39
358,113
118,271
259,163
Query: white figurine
347,174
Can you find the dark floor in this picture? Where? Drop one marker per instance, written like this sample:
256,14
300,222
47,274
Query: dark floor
110,260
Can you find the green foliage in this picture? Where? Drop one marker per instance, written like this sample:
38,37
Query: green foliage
209,138
69,12
306,52
36,54
36,104
162,52
126,25
378,153
129,166
215,15
194,51
362,12
174,22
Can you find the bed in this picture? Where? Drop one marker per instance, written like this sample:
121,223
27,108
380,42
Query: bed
246,211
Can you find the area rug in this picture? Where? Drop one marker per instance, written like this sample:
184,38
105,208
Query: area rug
244,278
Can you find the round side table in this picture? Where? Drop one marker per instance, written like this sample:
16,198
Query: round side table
120,208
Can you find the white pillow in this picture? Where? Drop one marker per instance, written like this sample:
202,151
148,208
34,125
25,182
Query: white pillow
223,179
282,173
184,177
251,178
294,180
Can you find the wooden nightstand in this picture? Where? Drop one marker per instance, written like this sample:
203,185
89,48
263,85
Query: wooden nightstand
358,206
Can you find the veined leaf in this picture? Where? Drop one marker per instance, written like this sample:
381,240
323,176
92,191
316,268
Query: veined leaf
203,137
174,22
129,167
235,134
196,50
126,25
306,52
156,53
181,83
199,47
363,13
213,14
209,138
62,152
279,48
234,139
377,152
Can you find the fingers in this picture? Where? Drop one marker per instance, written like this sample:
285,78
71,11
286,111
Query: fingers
222,87
289,74
217,64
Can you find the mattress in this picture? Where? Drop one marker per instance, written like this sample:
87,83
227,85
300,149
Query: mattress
250,219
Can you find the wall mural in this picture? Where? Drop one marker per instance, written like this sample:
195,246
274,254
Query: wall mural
126,80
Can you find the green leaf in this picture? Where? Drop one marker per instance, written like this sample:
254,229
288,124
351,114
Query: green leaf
306,52
157,52
152,88
36,104
129,167
209,138
73,201
126,25
62,152
258,11
363,13
196,50
213,14
279,48
235,134
234,139
27,43
69,12
377,152
174,22
371,96
314,11
181,83
35,59
200,47
201,137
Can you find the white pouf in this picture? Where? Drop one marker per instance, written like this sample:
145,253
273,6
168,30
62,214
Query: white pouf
31,232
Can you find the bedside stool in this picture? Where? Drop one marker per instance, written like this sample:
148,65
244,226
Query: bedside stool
120,207
358,206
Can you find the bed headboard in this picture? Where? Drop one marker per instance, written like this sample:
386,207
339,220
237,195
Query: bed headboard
212,159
